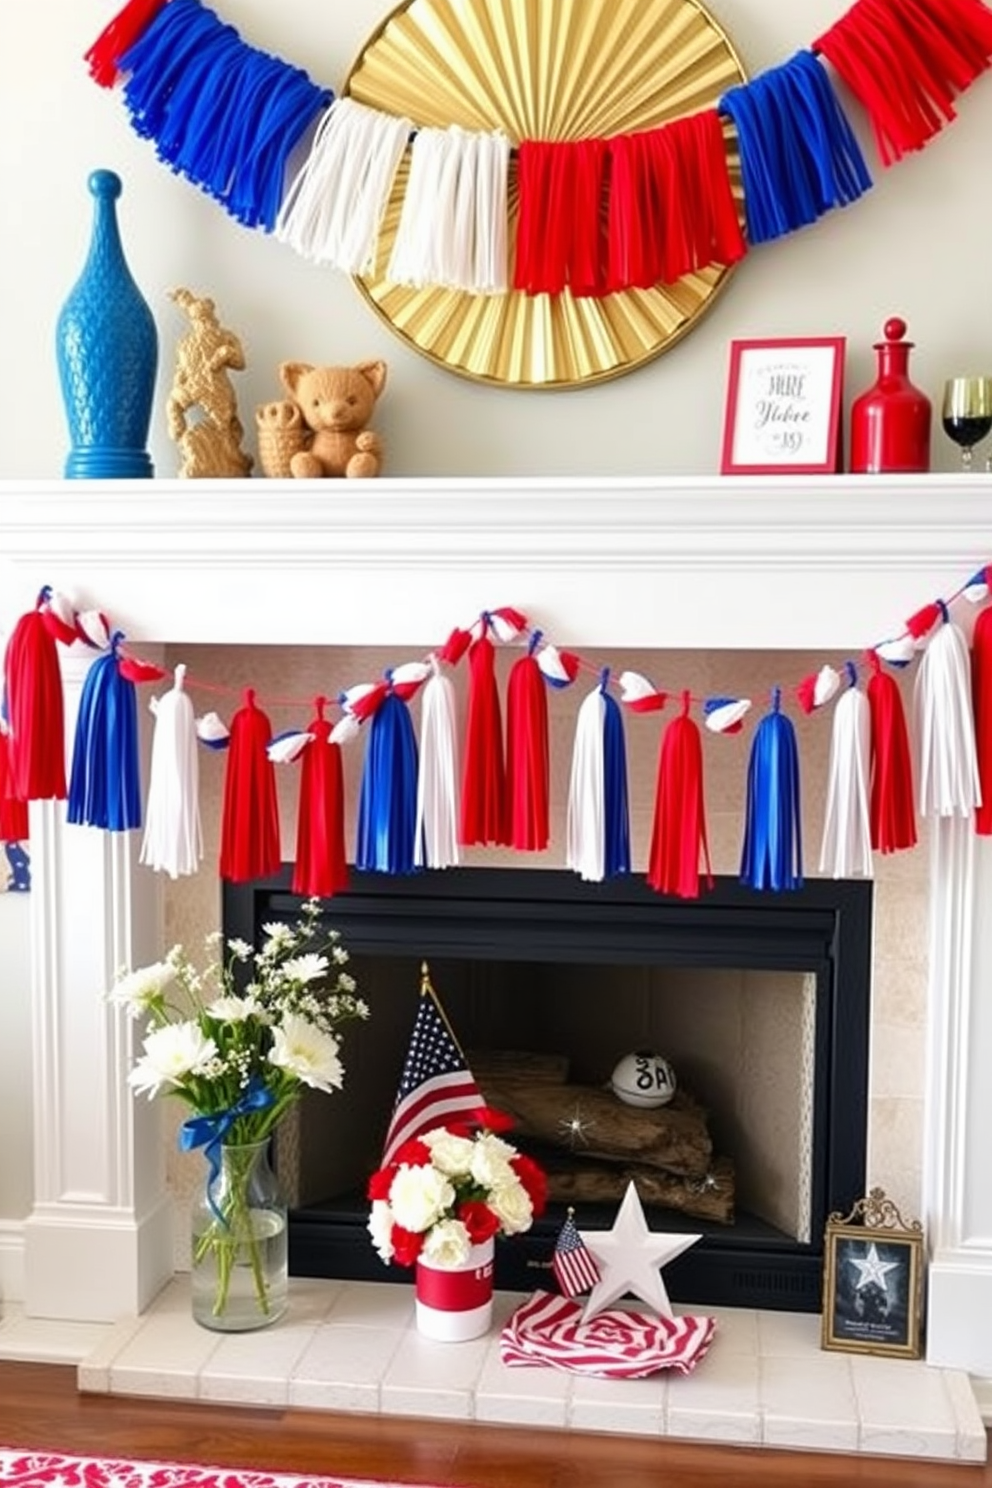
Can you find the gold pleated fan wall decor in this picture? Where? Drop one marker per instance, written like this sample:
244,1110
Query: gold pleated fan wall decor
543,70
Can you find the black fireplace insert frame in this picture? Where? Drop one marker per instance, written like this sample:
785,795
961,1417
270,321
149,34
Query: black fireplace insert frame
530,914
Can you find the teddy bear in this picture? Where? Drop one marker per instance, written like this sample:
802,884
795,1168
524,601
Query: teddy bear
321,429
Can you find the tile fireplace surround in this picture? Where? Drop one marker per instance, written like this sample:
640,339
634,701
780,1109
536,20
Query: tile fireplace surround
829,564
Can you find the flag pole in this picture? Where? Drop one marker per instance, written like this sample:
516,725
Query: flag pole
427,990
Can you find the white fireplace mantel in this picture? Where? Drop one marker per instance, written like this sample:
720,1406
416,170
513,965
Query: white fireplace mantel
696,562
831,563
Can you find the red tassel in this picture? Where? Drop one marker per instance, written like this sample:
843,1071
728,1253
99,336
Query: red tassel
905,61
806,693
678,836
13,813
560,239
483,794
117,37
455,646
893,813
527,759
250,829
634,225
587,259
36,711
321,868
924,620
981,697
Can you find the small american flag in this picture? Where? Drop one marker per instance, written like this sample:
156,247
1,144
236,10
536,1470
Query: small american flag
574,1266
437,1085
616,1344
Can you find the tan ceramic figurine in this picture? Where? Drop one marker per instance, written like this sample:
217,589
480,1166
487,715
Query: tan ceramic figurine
320,430
210,444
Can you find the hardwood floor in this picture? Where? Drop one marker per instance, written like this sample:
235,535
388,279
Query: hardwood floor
41,1407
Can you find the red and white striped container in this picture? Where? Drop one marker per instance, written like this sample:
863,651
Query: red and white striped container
455,1303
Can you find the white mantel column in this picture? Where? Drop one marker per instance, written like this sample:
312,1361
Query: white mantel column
959,1117
98,1242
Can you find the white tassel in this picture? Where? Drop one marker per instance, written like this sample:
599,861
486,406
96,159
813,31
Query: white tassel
492,273
944,728
334,207
585,832
413,255
436,840
846,849
173,841
452,229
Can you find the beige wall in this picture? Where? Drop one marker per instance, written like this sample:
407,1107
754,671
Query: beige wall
899,993
913,246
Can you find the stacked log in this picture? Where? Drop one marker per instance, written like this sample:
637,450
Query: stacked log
591,1144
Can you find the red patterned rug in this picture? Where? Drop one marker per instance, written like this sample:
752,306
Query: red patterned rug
20,1468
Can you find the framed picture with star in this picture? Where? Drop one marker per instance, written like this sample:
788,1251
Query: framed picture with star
873,1280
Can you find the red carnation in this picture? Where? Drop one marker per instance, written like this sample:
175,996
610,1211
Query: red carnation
407,1245
381,1182
478,1219
415,1154
534,1180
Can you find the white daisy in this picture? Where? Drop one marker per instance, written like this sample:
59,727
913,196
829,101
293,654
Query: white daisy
138,990
307,1053
172,1053
305,968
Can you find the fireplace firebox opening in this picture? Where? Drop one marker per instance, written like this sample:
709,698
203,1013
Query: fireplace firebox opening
760,1001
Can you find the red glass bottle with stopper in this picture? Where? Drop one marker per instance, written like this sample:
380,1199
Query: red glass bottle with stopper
890,423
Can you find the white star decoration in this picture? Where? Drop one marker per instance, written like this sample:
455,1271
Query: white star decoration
872,1269
630,1256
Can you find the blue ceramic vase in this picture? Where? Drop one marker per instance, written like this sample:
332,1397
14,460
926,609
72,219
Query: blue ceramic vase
107,351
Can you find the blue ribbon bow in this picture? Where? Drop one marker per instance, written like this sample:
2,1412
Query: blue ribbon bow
209,1132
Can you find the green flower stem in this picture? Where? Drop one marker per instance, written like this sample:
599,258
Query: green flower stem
234,1230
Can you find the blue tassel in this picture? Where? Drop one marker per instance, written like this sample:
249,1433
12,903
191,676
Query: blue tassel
221,113
616,807
387,803
772,853
105,782
799,154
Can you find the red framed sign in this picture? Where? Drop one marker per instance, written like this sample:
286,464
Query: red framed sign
783,413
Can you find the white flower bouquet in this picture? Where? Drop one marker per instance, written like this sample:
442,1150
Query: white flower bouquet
449,1190
239,1041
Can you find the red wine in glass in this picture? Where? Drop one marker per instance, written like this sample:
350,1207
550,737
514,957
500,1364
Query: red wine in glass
967,413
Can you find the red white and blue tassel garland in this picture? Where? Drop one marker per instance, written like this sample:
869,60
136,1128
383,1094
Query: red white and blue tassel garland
527,753
250,845
105,782
436,834
598,817
387,802
320,868
173,841
846,846
771,857
892,806
678,834
944,727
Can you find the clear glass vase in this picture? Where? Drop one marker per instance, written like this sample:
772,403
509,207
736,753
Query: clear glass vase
240,1250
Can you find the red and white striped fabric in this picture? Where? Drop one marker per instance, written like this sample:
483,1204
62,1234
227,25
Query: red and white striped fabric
615,1344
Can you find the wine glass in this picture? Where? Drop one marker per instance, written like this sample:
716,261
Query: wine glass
967,414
